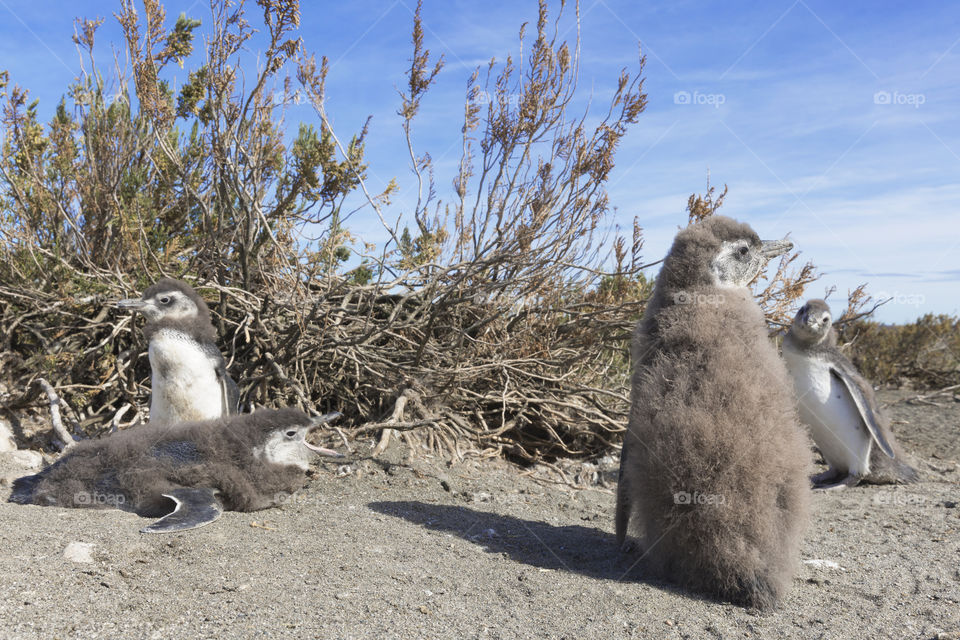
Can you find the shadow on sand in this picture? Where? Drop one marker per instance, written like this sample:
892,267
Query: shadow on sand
584,550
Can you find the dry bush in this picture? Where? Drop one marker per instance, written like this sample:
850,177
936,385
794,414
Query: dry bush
923,354
499,324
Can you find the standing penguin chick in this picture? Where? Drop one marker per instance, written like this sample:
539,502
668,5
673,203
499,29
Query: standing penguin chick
188,473
839,406
189,379
713,473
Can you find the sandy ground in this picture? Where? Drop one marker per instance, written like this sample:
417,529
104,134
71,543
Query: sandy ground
403,548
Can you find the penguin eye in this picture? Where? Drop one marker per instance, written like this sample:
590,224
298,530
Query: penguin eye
743,251
165,300
825,318
290,433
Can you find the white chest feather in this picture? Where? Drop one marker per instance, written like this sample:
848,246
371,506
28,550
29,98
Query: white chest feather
828,411
184,381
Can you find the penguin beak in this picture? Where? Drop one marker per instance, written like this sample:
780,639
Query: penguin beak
134,304
315,423
773,248
323,450
319,421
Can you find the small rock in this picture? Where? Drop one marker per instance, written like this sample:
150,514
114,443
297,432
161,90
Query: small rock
823,564
481,496
79,552
950,504
7,441
29,460
444,481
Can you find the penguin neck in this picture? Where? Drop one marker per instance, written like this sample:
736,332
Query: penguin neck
198,329
814,345
669,296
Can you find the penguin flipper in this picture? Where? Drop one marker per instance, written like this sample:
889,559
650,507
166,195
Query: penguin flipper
25,488
195,508
229,392
863,408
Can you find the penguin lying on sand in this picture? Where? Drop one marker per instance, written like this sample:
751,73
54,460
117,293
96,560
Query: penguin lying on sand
189,376
187,473
839,407
713,472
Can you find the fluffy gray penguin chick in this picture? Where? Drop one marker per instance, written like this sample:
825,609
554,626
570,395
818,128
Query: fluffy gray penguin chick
188,473
189,379
713,474
839,407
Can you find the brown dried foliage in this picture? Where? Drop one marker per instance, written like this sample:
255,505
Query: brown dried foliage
501,328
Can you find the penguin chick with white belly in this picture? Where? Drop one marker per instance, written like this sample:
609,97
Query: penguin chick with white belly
713,472
839,407
189,378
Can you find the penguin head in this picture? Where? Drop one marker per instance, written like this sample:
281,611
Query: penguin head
285,439
173,303
168,299
719,251
812,322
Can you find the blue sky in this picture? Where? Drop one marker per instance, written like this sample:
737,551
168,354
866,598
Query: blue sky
836,122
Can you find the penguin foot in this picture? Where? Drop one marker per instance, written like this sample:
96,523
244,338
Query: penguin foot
832,479
629,547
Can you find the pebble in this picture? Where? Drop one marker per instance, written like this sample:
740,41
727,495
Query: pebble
25,458
79,552
7,441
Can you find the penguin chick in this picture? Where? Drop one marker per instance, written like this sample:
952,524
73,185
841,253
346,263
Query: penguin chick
839,407
188,473
189,379
713,473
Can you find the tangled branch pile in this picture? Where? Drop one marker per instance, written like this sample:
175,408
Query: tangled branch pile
499,323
